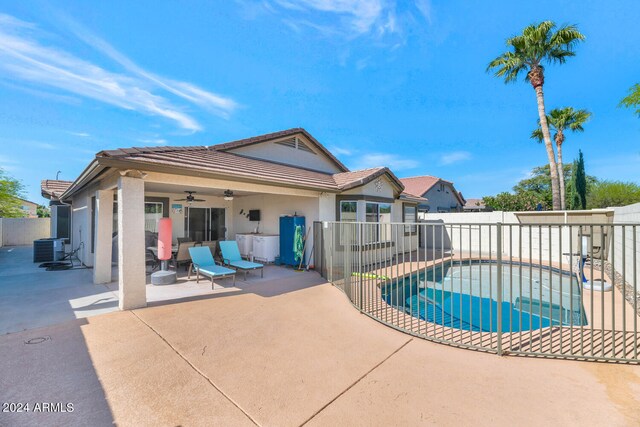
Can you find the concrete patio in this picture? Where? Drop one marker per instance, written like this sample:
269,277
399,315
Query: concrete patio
48,297
286,351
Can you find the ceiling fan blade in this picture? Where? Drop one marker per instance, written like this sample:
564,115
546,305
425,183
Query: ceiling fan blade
180,200
199,200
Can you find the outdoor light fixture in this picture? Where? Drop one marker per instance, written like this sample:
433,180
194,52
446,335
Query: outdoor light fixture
228,195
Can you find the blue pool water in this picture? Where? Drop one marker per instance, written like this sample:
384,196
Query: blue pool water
465,296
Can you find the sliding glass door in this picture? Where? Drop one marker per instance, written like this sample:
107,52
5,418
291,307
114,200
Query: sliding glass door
202,224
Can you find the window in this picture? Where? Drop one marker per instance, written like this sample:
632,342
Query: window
348,211
410,216
152,213
63,222
372,212
378,212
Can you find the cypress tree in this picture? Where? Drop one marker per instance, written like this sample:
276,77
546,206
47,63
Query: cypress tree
578,184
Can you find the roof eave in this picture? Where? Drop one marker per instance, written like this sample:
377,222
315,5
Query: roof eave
149,167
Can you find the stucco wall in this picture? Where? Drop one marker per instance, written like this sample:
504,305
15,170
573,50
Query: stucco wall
81,225
272,207
23,231
462,232
292,156
623,242
442,199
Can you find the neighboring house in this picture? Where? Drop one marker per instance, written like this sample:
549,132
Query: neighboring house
476,205
28,208
441,194
124,191
60,212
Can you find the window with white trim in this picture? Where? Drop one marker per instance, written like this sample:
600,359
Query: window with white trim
410,215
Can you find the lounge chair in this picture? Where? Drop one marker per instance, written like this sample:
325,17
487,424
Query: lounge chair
231,256
182,255
203,263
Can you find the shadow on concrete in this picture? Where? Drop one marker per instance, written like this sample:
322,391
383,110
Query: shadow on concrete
52,366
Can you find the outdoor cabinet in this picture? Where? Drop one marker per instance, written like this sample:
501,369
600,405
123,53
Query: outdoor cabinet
288,226
266,248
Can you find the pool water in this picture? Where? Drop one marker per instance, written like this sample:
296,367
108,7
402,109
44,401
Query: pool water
464,295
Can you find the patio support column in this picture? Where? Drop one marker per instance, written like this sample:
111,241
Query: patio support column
131,250
103,239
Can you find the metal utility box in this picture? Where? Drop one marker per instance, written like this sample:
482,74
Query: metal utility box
288,226
47,250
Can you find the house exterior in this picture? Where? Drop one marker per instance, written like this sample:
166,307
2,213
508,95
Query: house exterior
123,192
60,212
476,205
442,196
28,208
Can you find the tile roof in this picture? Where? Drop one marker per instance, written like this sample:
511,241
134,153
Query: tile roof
419,185
205,159
474,204
275,135
52,188
218,160
209,160
413,197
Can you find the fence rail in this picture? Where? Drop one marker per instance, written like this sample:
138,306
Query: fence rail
555,290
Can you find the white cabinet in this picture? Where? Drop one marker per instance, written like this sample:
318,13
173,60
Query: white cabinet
266,247
245,244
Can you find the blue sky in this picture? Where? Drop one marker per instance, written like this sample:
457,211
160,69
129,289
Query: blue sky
380,82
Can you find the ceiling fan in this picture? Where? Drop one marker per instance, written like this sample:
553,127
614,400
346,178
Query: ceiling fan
190,198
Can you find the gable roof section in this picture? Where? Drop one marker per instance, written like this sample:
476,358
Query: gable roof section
226,146
419,185
52,188
353,179
218,162
204,159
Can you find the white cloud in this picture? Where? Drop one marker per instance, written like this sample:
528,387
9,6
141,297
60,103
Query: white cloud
424,6
455,157
392,161
347,18
341,151
156,141
80,134
8,164
24,58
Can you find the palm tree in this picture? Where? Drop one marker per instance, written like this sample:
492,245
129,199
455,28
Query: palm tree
538,44
560,120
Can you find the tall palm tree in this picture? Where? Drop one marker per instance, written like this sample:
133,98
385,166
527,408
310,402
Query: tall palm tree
560,120
538,44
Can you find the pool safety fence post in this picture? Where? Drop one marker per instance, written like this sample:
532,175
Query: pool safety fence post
360,267
499,284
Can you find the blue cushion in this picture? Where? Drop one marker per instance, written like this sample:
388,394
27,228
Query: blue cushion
230,250
201,255
215,270
245,265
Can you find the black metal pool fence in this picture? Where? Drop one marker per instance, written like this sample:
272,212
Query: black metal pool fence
550,290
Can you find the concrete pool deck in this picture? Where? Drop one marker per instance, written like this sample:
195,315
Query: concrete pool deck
289,351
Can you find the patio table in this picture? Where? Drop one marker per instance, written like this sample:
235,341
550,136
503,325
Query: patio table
154,249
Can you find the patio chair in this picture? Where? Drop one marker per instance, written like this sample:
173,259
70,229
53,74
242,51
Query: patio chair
203,263
182,255
231,256
212,245
151,261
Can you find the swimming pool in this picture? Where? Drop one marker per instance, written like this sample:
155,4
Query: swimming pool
464,295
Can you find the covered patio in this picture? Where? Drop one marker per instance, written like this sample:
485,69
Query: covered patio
129,203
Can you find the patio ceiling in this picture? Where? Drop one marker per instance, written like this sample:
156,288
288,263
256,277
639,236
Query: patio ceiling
157,187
